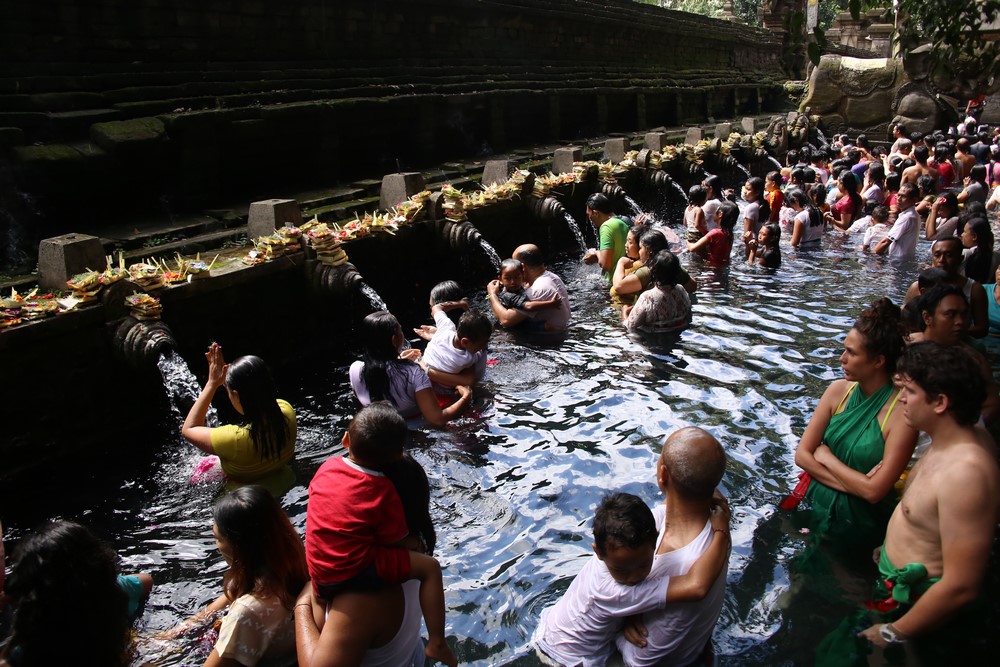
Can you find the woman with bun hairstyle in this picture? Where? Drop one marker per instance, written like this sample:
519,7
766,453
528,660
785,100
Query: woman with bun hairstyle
857,443
388,373
265,443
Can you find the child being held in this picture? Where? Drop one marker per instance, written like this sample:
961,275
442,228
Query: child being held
456,354
878,228
694,216
613,584
764,251
513,296
355,524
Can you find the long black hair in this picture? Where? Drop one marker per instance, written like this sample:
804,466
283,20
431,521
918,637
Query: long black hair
250,377
380,353
977,265
850,183
414,491
267,555
64,572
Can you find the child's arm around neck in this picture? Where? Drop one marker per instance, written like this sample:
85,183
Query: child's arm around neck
697,583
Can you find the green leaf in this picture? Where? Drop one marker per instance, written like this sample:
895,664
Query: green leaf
814,53
820,36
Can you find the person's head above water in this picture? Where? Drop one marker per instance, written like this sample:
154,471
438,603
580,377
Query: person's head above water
253,393
946,254
512,275
625,537
945,313
531,258
692,463
939,381
376,435
880,334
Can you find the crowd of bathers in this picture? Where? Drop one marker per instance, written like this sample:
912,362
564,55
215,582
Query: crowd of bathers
894,456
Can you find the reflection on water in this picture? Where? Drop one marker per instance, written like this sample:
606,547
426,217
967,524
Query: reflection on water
514,488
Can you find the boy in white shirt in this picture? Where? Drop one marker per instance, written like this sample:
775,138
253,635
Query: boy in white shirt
613,584
458,351
878,228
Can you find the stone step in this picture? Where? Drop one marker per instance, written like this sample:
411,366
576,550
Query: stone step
342,210
208,244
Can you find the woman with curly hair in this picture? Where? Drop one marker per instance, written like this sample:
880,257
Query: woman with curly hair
857,443
69,608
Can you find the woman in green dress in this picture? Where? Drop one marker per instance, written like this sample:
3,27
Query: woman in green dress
857,443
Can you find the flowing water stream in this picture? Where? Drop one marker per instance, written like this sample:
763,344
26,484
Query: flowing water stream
515,483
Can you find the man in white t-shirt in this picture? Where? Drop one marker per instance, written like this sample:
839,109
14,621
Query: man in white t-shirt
689,471
544,286
901,242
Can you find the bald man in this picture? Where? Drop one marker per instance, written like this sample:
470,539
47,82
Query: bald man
689,471
543,285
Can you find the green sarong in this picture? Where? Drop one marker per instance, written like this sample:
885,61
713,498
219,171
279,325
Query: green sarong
855,437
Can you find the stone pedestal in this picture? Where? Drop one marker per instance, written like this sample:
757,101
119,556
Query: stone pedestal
563,159
880,35
269,214
397,188
62,257
615,149
694,135
723,130
749,125
642,159
498,171
655,141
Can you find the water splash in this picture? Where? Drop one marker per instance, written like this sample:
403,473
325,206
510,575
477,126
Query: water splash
777,165
633,206
491,253
182,387
373,297
680,191
821,136
574,227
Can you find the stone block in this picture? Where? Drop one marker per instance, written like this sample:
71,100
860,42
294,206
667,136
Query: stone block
124,134
723,130
269,214
62,257
563,159
655,141
615,149
399,187
749,125
694,135
642,158
498,171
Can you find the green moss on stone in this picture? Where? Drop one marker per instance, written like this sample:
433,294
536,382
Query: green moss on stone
127,132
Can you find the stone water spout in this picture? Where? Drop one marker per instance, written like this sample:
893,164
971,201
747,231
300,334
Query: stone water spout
546,209
141,342
337,281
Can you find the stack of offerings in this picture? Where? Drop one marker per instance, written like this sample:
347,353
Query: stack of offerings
146,276
454,206
326,243
113,274
85,286
143,306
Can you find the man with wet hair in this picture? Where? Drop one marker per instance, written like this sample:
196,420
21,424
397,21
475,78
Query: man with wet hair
612,233
689,471
921,154
946,254
945,314
543,285
938,541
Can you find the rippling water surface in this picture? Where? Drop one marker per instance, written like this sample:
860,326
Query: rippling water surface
514,486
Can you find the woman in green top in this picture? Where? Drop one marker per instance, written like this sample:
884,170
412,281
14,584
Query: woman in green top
857,444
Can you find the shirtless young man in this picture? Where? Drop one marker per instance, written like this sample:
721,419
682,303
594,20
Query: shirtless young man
951,502
921,154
